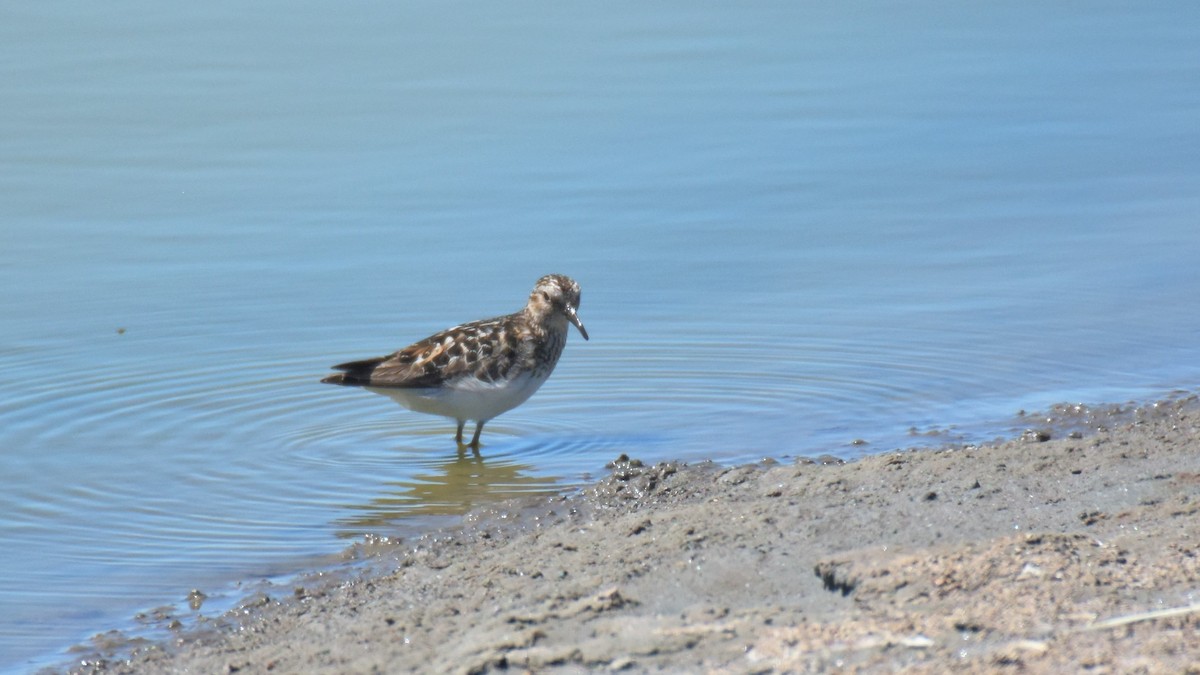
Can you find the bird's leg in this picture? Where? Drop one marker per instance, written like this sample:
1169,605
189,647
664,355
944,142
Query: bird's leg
475,439
458,436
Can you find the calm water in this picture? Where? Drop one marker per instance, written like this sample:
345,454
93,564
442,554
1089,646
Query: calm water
795,224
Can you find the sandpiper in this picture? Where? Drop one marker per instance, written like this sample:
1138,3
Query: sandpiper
478,370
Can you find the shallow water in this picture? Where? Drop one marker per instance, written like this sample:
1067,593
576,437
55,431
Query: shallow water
795,226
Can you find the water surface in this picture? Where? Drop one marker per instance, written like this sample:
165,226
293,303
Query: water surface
796,225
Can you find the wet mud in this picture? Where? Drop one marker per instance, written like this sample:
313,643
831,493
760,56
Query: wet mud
1074,546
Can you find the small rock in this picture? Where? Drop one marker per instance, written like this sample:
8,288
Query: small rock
196,598
1036,435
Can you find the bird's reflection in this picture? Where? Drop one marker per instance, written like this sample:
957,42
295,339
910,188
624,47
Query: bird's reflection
448,488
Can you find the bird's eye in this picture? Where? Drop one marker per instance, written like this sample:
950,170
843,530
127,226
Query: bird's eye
545,296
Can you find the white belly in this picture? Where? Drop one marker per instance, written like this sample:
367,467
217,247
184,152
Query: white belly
467,398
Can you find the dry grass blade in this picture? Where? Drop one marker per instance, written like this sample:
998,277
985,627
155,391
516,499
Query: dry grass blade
1118,621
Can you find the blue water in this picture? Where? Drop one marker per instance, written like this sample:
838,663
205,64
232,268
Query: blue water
796,225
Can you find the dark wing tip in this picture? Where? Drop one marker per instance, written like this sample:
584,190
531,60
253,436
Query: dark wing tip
354,373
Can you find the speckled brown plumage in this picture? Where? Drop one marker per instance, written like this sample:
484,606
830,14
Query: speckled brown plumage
477,370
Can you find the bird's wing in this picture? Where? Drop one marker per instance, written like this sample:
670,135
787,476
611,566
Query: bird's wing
439,358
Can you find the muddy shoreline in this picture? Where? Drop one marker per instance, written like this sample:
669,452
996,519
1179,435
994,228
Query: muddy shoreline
1056,551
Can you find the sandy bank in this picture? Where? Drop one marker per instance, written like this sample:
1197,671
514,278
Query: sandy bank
1052,555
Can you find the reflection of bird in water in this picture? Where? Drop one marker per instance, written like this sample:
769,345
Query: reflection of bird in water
450,488
478,370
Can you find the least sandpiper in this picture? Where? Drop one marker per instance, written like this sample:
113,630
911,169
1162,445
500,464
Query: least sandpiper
478,370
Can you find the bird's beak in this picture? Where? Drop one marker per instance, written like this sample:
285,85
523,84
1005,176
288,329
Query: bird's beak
575,320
